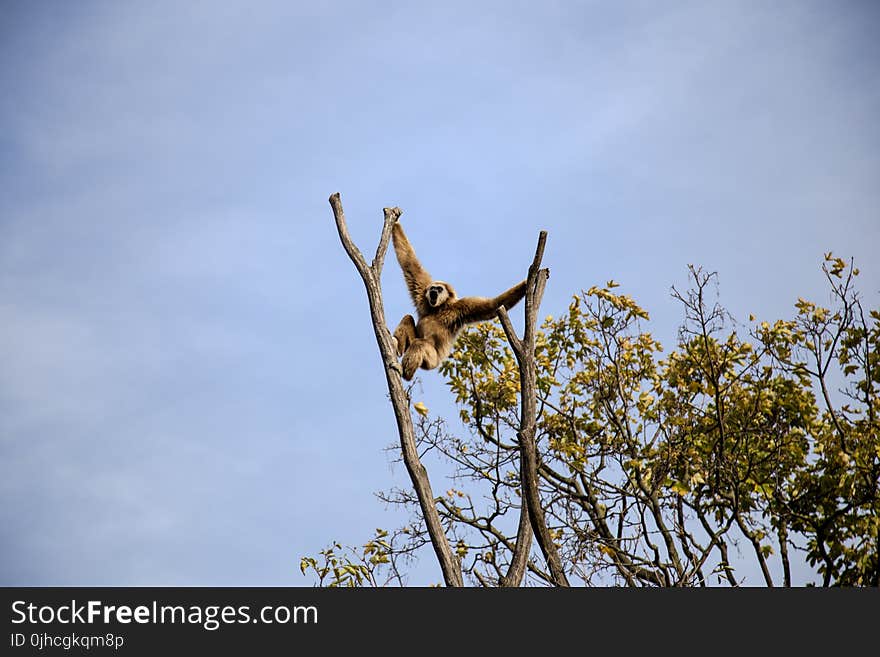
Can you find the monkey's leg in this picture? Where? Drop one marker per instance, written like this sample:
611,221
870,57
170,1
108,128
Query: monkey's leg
431,358
404,334
421,353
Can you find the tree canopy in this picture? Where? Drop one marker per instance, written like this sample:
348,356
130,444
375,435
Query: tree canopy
747,447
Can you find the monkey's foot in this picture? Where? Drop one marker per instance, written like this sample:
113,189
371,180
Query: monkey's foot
394,365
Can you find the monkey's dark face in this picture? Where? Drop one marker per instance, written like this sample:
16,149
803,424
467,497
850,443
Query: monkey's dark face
439,293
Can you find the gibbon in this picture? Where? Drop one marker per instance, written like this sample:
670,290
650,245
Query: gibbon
441,313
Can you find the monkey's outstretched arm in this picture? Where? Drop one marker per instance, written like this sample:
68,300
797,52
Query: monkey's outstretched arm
417,279
480,309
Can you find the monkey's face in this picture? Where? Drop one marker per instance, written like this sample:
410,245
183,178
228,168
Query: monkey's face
439,293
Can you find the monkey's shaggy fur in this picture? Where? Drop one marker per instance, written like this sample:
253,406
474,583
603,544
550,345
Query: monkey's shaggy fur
441,313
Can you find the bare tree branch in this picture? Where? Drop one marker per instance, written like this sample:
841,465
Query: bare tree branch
520,558
371,276
391,217
525,355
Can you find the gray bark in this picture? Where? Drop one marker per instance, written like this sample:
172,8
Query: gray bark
371,276
524,350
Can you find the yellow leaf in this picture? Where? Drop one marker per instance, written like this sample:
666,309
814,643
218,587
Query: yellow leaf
421,409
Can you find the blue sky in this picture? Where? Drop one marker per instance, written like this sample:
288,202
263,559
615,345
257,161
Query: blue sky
190,392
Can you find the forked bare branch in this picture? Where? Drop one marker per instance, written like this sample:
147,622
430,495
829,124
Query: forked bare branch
371,276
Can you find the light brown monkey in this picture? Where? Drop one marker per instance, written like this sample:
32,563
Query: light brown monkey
441,313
